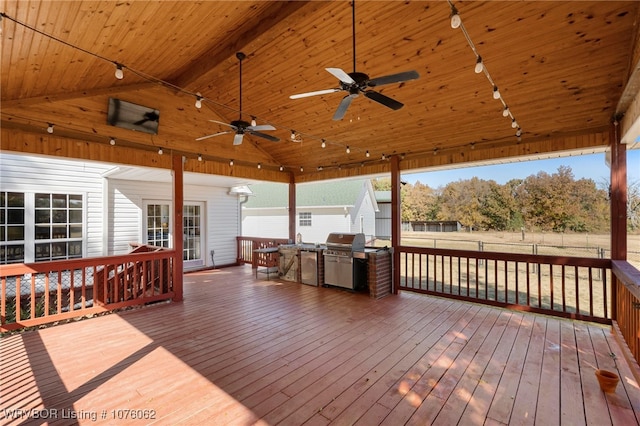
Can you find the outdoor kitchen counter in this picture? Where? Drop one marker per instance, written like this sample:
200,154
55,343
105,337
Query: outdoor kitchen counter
290,261
378,266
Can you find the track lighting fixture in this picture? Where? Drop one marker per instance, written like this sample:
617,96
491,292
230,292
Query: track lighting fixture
231,163
348,150
496,92
112,141
505,111
320,168
199,157
253,121
479,65
324,144
384,157
49,128
514,123
281,168
160,151
259,166
119,72
367,154
293,135
198,100
301,169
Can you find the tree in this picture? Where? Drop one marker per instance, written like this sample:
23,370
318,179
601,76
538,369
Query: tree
419,203
500,207
462,201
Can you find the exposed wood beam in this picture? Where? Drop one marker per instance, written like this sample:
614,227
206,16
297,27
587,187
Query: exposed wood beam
276,13
63,96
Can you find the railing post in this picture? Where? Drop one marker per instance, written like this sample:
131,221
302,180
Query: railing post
480,249
534,250
254,255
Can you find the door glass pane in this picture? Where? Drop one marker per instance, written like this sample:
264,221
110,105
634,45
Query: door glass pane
192,240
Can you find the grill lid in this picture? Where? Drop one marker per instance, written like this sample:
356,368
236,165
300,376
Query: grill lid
346,241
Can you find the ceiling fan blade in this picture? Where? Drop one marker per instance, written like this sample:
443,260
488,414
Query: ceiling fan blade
264,136
317,92
210,136
342,108
261,127
341,75
224,124
384,100
237,139
394,78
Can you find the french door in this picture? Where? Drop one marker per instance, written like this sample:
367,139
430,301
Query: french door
158,230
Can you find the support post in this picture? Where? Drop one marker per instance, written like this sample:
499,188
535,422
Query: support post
178,206
396,223
292,207
618,203
618,196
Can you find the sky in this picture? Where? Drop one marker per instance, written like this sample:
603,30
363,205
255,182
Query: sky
591,166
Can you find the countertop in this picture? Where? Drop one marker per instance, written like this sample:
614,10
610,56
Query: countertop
304,246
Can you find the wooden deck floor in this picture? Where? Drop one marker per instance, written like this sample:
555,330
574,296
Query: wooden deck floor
240,351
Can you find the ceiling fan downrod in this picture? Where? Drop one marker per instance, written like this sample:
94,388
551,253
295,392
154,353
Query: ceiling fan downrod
241,56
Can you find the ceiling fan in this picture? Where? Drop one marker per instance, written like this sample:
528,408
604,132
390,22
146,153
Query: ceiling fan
239,126
356,82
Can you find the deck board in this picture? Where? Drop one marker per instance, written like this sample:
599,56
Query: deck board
242,351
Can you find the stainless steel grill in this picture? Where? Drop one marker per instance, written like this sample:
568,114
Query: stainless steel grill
339,267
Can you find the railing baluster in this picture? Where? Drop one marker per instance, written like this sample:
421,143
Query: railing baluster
577,279
539,285
59,293
604,292
562,283
517,289
590,292
33,296
528,284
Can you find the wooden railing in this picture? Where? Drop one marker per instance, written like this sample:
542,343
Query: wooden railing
38,293
626,293
571,287
247,245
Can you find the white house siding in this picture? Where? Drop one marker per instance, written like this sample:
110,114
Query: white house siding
324,221
223,222
266,222
126,202
33,174
274,223
221,216
328,213
366,209
114,208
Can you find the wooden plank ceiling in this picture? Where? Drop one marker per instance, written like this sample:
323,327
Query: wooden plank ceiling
560,66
